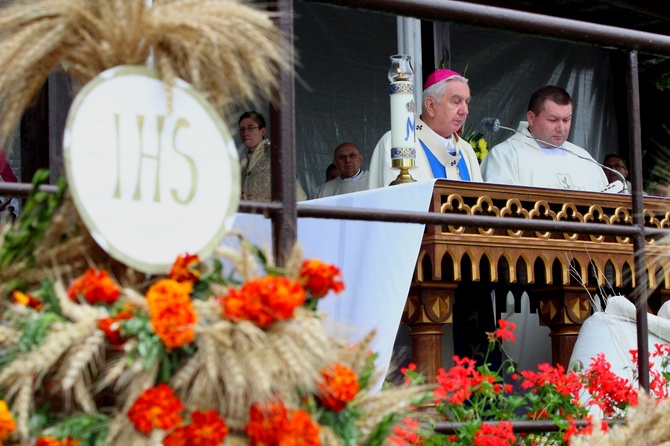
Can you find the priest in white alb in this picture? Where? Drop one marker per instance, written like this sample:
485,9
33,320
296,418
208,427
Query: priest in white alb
352,178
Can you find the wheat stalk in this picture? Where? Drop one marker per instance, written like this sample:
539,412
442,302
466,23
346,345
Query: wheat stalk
293,263
211,44
23,405
74,311
183,378
85,356
8,336
242,261
113,371
83,397
378,406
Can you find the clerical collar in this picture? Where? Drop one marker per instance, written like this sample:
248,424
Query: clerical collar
353,179
448,143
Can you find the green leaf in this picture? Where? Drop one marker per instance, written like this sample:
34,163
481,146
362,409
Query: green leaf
343,423
24,236
35,331
48,297
91,430
368,371
382,431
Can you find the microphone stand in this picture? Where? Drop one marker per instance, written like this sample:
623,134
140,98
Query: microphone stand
591,160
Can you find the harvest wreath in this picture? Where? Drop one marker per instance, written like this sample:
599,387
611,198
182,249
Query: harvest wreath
95,353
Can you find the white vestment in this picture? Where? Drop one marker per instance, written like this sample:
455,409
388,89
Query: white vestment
381,172
519,160
339,186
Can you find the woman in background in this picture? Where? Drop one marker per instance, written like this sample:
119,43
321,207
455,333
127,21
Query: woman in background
255,164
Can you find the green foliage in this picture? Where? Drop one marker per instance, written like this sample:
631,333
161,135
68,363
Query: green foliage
90,429
368,371
343,423
382,430
21,241
48,297
35,330
212,276
663,82
149,346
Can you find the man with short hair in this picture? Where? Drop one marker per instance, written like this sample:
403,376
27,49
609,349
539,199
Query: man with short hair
614,161
348,160
255,160
440,153
539,154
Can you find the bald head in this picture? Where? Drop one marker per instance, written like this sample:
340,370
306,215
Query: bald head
348,159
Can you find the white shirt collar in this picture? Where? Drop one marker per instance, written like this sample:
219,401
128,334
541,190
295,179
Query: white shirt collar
447,143
353,179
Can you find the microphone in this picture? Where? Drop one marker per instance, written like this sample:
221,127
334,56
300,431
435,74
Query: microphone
493,125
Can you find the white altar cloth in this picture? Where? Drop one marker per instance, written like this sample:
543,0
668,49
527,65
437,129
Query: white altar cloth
377,260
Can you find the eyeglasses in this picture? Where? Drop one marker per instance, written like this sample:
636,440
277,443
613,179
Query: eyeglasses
249,128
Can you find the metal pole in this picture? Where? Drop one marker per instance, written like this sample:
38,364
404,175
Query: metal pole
518,21
640,292
283,158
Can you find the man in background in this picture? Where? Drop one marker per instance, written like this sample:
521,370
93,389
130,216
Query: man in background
539,154
348,160
255,160
614,161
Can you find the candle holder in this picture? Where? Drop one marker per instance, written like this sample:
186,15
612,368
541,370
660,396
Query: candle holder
403,107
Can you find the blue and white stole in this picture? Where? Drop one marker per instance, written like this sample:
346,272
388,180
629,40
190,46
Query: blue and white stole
440,171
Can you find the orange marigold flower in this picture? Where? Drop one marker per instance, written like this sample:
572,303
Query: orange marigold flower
157,407
339,386
319,278
301,430
94,286
266,422
178,437
273,425
185,269
172,314
26,300
7,423
206,429
264,301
